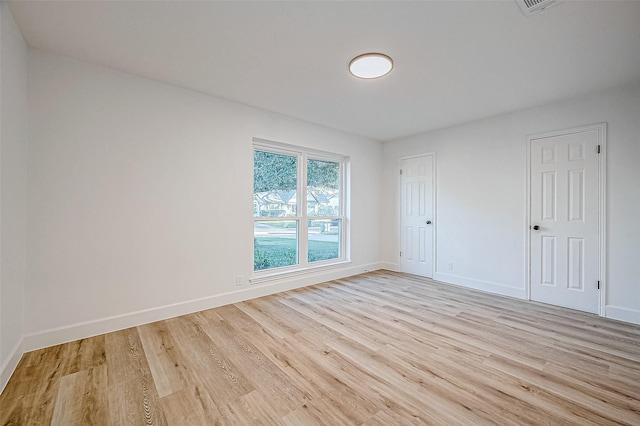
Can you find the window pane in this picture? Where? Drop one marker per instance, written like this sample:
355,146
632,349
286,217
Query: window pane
275,244
323,188
274,184
325,239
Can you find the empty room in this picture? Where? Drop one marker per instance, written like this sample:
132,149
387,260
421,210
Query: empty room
319,212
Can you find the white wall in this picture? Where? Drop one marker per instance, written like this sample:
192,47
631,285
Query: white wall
481,194
13,190
140,201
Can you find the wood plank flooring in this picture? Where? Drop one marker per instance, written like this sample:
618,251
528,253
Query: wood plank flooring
376,349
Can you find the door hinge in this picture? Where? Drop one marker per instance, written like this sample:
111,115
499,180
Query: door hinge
401,172
598,285
400,254
598,149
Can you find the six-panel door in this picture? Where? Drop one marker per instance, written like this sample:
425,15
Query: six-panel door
564,205
416,216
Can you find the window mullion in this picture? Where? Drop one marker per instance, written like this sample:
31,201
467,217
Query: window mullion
303,227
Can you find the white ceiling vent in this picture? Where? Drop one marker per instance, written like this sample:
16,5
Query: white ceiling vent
531,7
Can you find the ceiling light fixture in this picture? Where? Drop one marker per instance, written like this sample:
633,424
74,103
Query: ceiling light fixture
370,65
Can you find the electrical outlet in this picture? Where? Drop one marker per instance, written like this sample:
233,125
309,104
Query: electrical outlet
238,280
450,266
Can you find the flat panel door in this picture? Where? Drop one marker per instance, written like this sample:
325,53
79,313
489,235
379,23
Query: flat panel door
564,218
416,216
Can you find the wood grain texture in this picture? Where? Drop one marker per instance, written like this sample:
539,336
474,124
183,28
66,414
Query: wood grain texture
82,398
376,349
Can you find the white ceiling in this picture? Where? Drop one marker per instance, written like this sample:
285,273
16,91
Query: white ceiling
454,61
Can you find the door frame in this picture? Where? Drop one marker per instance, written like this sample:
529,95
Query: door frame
434,199
601,128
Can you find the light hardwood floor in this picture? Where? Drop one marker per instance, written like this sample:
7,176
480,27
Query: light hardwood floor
376,349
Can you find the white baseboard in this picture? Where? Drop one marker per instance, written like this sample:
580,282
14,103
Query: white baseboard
390,266
487,286
87,329
622,314
7,369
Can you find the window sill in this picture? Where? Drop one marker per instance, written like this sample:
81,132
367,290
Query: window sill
292,273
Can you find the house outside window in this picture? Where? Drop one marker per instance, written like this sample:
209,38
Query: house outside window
293,231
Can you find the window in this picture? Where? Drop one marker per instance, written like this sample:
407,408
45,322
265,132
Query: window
298,208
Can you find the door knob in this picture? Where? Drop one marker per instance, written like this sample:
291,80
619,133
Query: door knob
428,222
536,228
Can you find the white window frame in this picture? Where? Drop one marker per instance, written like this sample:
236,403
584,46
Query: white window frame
304,266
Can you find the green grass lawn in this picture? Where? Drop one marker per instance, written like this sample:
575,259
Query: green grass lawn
276,252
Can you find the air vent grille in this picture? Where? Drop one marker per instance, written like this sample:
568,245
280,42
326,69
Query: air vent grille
533,3
530,7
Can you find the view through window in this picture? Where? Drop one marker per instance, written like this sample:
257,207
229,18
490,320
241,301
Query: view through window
292,231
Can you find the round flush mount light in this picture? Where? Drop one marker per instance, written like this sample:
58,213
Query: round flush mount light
370,65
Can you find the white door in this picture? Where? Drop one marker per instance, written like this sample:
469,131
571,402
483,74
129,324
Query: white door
416,216
565,257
